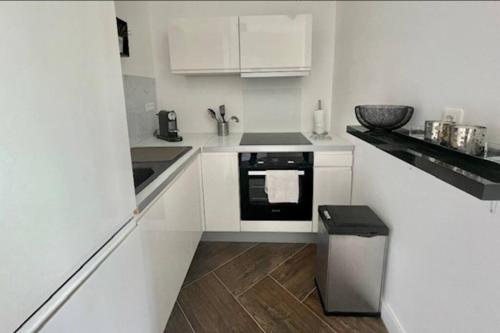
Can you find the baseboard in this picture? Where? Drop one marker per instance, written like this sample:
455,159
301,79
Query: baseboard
262,237
276,226
390,319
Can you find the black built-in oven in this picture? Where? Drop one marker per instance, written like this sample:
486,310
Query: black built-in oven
254,203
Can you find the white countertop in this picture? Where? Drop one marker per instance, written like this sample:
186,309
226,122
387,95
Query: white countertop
208,142
212,143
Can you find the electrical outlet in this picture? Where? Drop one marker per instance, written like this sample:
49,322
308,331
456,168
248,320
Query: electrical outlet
453,114
149,107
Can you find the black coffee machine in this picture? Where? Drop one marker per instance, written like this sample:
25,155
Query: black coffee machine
168,126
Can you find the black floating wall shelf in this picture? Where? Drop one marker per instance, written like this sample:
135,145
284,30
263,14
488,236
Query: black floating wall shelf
476,176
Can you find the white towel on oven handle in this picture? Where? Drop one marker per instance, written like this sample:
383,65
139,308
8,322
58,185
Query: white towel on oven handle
282,186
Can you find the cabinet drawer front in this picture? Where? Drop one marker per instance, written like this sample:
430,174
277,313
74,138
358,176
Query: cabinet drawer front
333,159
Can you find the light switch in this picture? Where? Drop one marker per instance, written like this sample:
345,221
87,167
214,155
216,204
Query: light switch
149,107
453,114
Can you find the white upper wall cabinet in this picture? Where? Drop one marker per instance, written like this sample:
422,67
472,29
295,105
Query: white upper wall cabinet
255,46
275,45
204,45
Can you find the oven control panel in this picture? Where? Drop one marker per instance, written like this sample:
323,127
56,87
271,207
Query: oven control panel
290,160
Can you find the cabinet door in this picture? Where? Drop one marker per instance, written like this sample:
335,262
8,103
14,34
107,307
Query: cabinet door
204,45
332,186
221,191
170,231
275,43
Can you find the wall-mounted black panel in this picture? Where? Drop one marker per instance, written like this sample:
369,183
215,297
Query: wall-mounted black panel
123,37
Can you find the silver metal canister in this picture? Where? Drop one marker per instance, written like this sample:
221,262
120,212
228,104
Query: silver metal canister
438,131
469,139
222,128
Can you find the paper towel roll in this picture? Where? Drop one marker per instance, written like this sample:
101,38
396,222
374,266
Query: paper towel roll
319,122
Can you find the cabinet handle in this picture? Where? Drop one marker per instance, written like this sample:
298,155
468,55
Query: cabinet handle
263,173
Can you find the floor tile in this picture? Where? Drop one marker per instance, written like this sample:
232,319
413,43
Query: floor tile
209,307
345,324
255,264
177,323
297,273
277,311
210,255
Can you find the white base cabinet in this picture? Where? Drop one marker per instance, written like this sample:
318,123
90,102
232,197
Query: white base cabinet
221,191
220,172
332,181
170,230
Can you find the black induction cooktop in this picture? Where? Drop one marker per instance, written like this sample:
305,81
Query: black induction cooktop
273,139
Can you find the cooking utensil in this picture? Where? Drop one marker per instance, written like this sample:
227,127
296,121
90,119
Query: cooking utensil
468,139
222,111
438,131
383,117
212,114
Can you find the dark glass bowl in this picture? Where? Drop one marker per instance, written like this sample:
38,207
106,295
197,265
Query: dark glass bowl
383,117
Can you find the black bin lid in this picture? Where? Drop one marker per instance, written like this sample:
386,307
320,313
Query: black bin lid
352,220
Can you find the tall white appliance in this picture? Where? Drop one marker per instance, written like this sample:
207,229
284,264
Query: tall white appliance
65,172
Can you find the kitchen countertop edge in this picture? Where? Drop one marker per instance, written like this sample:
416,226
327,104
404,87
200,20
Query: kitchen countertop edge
151,192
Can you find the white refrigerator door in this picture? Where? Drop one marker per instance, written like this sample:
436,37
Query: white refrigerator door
113,299
65,171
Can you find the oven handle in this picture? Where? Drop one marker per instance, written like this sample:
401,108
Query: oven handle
263,173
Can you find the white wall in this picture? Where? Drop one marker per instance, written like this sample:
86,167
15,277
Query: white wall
136,14
138,71
290,101
443,268
427,54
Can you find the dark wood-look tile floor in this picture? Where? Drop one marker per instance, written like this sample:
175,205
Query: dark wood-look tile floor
255,264
211,255
210,307
248,287
178,322
295,274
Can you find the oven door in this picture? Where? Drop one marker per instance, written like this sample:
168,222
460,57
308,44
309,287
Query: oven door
255,205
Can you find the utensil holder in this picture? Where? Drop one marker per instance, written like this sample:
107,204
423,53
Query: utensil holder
222,128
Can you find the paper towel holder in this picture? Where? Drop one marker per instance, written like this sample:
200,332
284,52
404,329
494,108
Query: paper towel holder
319,128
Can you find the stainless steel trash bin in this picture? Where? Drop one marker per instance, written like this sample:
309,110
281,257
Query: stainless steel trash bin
350,260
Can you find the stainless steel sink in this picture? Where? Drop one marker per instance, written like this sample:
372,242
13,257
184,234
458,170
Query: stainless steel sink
149,162
141,175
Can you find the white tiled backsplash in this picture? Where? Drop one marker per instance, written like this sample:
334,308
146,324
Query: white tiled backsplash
272,105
